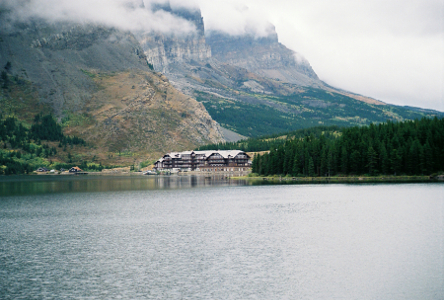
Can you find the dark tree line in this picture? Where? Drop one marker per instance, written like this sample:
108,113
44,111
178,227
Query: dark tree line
410,147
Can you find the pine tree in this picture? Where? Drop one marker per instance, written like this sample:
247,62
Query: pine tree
344,160
311,168
385,164
254,166
372,158
323,166
355,162
395,162
296,169
428,158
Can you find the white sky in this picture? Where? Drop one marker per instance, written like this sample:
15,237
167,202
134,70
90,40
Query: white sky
391,50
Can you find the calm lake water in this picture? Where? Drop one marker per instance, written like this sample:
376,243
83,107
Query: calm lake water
209,238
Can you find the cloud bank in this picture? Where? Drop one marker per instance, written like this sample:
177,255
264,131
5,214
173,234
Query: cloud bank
123,14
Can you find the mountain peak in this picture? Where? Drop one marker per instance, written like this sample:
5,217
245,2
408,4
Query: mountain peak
262,55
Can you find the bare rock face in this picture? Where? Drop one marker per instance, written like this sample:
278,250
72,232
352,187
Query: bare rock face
264,56
54,58
161,50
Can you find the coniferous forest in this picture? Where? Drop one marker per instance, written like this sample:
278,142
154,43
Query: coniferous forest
390,148
22,150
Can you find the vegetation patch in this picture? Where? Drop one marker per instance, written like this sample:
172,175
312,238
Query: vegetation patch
23,149
254,115
401,148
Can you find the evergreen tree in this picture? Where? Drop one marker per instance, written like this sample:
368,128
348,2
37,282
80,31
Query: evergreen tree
355,162
385,164
323,166
428,158
344,160
412,147
372,160
395,162
5,80
296,169
311,168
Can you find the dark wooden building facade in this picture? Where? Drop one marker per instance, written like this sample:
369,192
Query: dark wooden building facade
226,160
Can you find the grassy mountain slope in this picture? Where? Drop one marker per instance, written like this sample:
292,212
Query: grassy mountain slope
252,105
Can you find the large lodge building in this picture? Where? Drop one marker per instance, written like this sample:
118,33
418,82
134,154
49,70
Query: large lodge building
205,161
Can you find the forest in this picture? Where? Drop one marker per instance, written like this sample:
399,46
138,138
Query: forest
22,149
390,148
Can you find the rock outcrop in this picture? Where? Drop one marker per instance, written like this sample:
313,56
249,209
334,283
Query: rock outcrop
264,56
161,49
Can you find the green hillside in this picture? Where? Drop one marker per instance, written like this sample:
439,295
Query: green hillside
273,141
258,114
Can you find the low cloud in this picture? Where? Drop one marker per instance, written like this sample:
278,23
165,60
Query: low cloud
123,14
235,17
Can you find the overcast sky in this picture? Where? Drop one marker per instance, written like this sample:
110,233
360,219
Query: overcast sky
391,50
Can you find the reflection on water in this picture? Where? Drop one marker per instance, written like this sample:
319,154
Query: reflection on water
29,185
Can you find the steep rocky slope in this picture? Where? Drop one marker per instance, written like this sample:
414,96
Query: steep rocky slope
163,49
264,56
100,76
53,57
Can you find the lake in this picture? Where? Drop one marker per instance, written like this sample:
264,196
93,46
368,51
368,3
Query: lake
184,237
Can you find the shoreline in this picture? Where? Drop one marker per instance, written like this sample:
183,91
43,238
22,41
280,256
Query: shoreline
353,179
239,176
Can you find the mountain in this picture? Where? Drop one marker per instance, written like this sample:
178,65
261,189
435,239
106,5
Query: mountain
264,56
255,85
97,82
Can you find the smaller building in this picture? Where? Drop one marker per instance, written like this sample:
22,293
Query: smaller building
42,169
75,170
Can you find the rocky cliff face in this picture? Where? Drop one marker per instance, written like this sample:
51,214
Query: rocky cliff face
161,50
264,56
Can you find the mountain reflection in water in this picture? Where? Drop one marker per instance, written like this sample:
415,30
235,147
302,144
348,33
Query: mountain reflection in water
29,185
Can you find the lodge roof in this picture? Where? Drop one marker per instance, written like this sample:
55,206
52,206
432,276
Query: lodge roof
207,153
